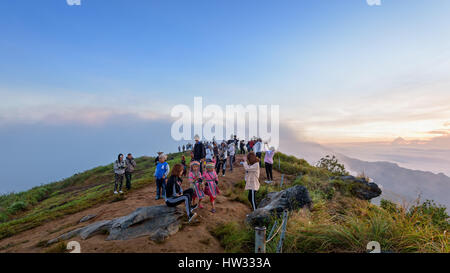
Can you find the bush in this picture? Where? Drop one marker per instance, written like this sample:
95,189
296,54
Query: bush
388,205
332,164
436,213
17,206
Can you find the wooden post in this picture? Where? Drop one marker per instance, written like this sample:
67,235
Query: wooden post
260,239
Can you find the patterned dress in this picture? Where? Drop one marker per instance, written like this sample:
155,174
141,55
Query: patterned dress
196,180
211,179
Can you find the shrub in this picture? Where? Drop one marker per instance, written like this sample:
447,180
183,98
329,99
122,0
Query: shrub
436,213
332,164
17,206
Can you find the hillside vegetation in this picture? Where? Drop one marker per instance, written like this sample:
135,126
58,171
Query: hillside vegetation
26,210
338,221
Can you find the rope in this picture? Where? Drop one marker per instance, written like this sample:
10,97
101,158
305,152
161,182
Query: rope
279,228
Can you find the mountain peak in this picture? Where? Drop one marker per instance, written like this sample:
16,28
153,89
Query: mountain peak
400,141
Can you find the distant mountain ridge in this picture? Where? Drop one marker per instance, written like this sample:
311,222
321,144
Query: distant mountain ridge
402,182
399,184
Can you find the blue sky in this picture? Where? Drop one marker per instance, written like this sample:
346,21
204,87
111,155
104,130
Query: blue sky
340,70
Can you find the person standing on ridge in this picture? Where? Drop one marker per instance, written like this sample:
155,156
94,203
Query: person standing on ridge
268,162
231,155
119,170
161,173
199,152
131,165
257,148
252,170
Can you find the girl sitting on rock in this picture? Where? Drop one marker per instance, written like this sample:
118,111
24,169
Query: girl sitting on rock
211,184
175,194
195,178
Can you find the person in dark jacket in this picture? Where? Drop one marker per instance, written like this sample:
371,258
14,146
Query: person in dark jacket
175,194
199,152
131,165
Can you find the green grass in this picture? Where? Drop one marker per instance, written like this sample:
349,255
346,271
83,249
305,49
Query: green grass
234,237
29,209
339,222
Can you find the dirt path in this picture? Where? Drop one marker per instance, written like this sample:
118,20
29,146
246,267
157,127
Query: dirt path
191,238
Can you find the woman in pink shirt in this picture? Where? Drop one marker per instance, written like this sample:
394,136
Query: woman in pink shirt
268,162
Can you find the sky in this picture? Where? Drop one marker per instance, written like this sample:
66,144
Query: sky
80,83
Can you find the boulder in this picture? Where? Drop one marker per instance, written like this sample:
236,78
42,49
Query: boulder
360,187
158,222
276,202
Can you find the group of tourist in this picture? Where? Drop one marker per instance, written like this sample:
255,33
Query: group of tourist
209,159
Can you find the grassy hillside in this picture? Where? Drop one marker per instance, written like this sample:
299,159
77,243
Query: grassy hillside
26,210
339,222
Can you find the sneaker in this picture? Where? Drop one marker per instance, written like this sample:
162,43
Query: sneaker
120,192
194,206
223,175
213,211
157,197
115,192
192,216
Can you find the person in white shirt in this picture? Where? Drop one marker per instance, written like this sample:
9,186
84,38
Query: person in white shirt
231,153
209,154
257,148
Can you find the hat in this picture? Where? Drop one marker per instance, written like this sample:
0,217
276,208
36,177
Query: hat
196,137
210,165
195,162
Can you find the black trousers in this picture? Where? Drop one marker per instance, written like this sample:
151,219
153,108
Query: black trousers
221,164
252,198
269,173
258,155
186,198
128,178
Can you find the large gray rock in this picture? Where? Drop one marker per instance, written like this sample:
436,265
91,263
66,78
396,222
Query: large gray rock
360,187
158,222
275,203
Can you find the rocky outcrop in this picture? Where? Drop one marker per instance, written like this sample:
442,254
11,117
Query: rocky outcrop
276,202
158,222
360,187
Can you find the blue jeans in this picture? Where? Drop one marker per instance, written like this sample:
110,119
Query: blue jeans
231,157
160,184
